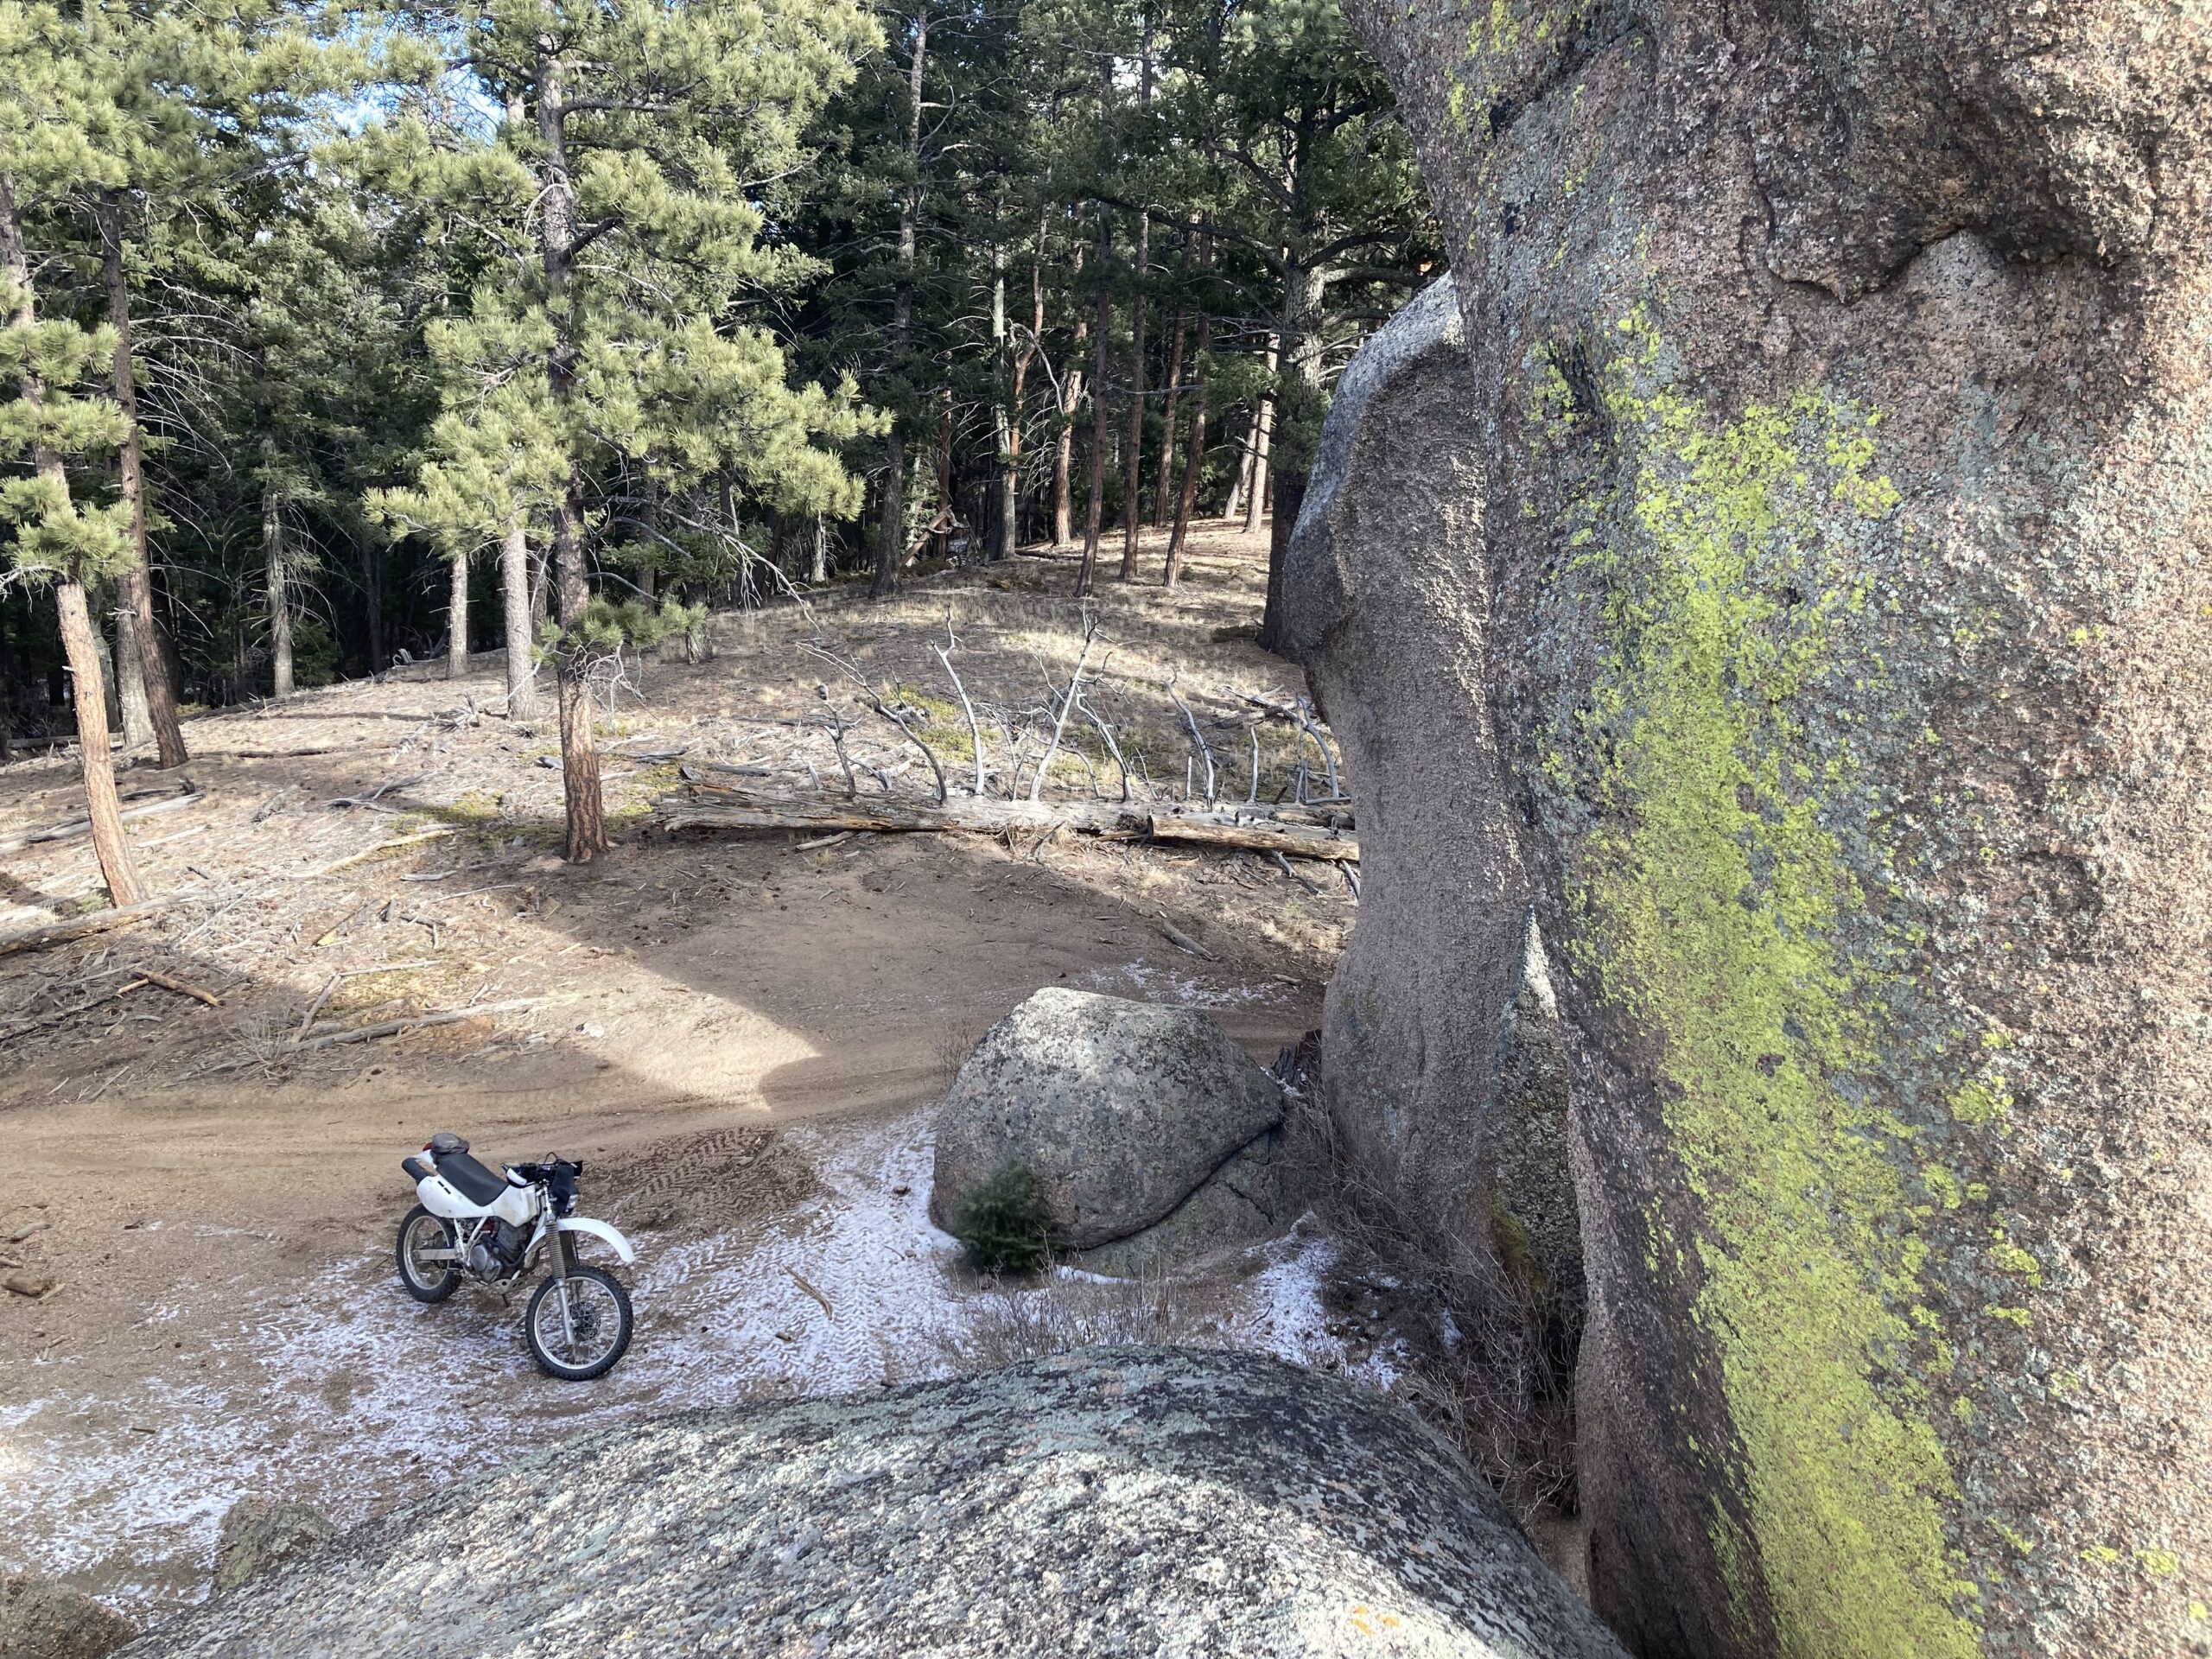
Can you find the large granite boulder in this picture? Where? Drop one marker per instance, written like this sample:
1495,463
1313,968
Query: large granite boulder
1822,626
1442,1071
1131,1500
1120,1110
40,1619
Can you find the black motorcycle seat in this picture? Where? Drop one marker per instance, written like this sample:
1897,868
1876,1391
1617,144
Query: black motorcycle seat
470,1178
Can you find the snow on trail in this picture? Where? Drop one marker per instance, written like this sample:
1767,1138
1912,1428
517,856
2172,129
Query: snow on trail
342,1393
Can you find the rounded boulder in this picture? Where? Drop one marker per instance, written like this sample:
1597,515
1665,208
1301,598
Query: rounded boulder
1119,1109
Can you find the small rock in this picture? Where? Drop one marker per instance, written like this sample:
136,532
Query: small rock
259,1532
39,1620
28,1284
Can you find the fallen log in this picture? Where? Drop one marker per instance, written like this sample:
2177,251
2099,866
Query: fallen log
1298,832
98,921
83,826
414,1022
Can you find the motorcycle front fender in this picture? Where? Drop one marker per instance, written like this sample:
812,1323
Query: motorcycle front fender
599,1230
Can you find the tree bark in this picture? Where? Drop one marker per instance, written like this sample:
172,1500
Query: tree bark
892,534
1133,472
1298,398
1162,490
373,604
118,869
818,573
280,599
1094,512
457,618
1193,462
1071,401
1256,503
1006,429
130,680
557,236
891,528
514,593
155,677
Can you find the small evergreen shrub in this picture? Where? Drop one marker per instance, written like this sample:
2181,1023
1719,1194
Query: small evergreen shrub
1003,1226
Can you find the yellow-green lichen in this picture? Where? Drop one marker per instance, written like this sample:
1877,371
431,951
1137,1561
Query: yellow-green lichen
1714,888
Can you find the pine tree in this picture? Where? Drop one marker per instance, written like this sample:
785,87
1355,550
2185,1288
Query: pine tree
626,184
53,116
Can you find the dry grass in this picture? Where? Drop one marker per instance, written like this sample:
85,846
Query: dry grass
1063,1311
1504,1391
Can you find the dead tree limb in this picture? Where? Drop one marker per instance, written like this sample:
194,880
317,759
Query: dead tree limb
1066,701
393,1027
1195,737
975,730
74,827
99,921
814,648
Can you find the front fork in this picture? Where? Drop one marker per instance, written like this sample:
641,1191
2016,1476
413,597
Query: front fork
557,1257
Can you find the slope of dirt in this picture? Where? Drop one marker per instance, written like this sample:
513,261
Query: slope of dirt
734,1034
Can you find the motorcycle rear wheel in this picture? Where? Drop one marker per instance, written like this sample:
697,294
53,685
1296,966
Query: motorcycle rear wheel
600,1335
419,1233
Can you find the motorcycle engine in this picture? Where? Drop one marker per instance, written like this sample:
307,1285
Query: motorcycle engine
497,1254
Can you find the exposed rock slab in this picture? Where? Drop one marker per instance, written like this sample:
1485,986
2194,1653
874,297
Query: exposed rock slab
1141,1501
41,1620
1833,642
1120,1109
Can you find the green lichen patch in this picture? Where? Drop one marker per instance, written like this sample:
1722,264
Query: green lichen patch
1715,891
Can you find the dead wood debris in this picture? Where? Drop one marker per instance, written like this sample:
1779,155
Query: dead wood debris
1298,832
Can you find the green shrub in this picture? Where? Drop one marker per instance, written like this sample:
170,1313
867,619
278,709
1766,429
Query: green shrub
1002,1225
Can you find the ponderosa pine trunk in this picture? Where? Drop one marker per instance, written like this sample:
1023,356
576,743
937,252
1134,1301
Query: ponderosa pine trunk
155,679
1162,489
131,678
89,695
1094,512
1132,471
1005,421
514,597
280,598
1256,502
457,619
1193,462
890,547
558,235
78,645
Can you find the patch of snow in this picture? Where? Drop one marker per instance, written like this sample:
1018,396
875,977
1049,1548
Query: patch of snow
339,1391
1154,983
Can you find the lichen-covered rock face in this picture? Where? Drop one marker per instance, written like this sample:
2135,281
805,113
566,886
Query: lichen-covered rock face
1839,620
1128,1500
258,1532
1120,1109
40,1620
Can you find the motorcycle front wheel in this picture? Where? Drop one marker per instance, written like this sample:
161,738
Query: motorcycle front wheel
430,1256
578,1336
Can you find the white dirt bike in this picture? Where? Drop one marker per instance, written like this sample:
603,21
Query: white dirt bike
491,1227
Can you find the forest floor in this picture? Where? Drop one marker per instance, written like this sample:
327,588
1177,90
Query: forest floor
739,1035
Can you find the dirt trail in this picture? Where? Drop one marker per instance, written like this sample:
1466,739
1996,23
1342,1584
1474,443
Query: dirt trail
735,1035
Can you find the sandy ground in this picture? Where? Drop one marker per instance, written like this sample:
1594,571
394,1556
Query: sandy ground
739,1036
